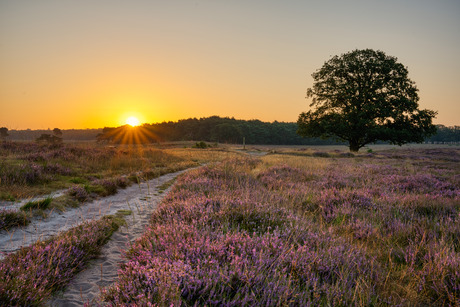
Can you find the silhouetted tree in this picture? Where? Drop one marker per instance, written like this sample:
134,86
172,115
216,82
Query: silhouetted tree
3,133
57,132
364,96
48,138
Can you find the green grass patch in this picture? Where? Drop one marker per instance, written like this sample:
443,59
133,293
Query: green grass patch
38,204
166,185
7,196
78,180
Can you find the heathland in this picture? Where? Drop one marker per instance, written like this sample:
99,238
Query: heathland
295,226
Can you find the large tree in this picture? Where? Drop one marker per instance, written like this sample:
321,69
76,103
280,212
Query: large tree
364,96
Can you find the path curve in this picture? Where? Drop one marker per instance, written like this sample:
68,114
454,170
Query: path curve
102,272
137,198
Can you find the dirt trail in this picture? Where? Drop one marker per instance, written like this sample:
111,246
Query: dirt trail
103,270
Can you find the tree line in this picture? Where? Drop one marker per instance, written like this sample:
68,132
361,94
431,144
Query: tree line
210,129
217,129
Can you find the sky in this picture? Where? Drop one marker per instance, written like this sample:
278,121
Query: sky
91,64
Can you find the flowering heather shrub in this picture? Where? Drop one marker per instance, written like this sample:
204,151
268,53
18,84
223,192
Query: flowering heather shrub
215,240
79,193
29,276
28,169
13,218
422,183
377,230
122,182
110,186
56,168
23,174
281,175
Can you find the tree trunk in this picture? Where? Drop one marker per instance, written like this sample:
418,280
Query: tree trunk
354,147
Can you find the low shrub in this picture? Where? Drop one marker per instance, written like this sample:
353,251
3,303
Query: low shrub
13,218
79,193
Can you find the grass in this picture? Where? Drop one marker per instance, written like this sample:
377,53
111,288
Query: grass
166,185
38,204
320,230
30,169
87,171
294,227
13,218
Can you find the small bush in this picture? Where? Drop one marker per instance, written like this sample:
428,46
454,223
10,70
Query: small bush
122,182
321,154
201,145
103,187
79,193
12,218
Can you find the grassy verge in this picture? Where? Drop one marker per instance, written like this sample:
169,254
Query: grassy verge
319,230
86,171
29,276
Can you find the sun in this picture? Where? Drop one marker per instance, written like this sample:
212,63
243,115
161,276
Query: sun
133,121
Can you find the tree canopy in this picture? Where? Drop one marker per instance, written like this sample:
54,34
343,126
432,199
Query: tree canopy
3,132
362,97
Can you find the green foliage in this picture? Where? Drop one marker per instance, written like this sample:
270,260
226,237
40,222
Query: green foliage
212,129
57,132
362,97
10,219
3,133
7,196
50,139
445,135
201,145
39,204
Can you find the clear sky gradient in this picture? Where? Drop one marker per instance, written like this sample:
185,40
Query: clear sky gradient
90,64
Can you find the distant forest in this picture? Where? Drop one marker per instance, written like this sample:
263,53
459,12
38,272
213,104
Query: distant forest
212,129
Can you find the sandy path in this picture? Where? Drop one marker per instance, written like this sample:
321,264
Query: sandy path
135,198
141,199
103,271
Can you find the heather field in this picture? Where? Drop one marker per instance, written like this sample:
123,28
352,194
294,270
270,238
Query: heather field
298,227
303,228
30,276
67,175
28,169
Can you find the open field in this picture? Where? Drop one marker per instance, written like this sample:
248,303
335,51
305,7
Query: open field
297,226
28,169
303,230
70,174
